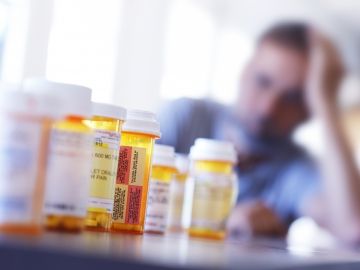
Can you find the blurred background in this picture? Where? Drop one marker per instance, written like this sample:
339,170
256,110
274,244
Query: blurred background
138,53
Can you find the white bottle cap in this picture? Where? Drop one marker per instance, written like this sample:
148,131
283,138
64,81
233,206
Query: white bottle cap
108,110
213,150
71,99
15,101
182,163
164,155
138,121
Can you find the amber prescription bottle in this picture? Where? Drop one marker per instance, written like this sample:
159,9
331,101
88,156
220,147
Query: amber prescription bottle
177,194
215,187
162,174
140,131
25,126
106,122
69,156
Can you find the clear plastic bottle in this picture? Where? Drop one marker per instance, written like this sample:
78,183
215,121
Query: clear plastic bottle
162,174
136,149
25,126
215,187
176,211
69,156
107,121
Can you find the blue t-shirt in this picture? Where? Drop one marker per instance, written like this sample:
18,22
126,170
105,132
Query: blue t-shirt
282,180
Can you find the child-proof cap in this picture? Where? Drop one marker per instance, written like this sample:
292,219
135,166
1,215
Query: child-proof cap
182,163
138,121
164,155
72,99
16,101
108,110
213,150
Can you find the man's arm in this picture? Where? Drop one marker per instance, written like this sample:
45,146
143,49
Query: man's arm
338,208
254,218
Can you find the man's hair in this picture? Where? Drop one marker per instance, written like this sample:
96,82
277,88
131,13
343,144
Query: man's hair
293,35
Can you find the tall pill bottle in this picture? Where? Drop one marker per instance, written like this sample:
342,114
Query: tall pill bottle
106,122
215,187
158,202
69,156
176,216
25,127
140,131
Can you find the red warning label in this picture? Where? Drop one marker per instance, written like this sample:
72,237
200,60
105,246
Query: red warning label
134,204
124,165
129,185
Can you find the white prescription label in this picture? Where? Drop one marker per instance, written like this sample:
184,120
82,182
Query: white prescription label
106,148
157,206
19,161
107,139
68,173
176,203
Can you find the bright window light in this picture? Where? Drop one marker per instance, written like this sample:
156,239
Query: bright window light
189,50
4,11
232,53
15,29
202,58
82,47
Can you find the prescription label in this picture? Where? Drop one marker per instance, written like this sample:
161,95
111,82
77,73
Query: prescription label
211,206
68,173
157,206
20,143
104,168
176,203
130,178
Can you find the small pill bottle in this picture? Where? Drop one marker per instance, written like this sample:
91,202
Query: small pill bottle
106,122
69,156
177,194
140,131
162,175
25,127
214,187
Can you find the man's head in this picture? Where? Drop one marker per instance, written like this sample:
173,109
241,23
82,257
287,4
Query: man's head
271,102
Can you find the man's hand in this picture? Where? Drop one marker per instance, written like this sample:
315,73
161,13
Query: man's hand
339,210
252,219
325,74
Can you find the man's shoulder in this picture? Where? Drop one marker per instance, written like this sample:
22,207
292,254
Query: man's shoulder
193,107
204,103
184,120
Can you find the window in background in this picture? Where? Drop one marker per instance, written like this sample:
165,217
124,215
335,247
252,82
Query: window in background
233,50
82,46
188,51
203,56
4,12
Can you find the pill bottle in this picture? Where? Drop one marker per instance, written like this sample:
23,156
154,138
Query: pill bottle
162,175
177,194
106,122
69,156
25,127
140,131
214,187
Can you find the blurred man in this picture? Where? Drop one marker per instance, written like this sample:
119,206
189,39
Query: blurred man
294,73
